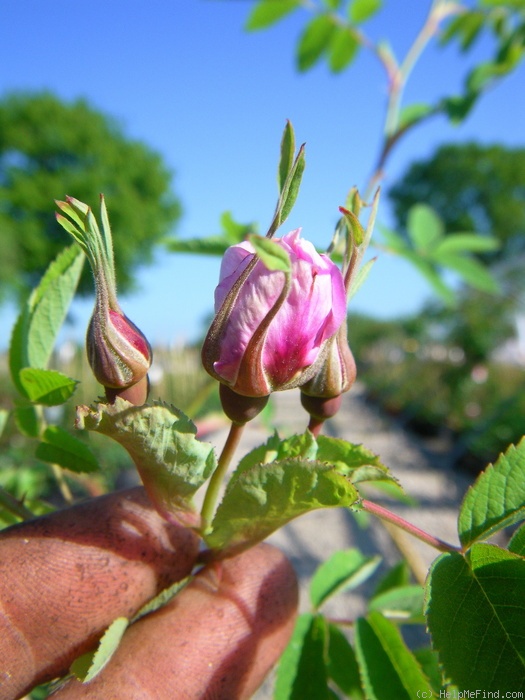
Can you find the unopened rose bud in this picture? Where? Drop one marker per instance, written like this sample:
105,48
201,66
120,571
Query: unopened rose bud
271,326
118,352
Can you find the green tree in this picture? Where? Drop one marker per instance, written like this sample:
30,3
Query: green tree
473,188
49,149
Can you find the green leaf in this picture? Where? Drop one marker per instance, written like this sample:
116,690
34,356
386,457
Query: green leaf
353,461
517,542
162,442
287,154
428,659
360,277
393,240
343,49
398,575
354,226
275,449
361,10
212,245
266,497
389,671
403,604
302,672
47,387
60,447
4,415
291,186
342,571
467,243
341,663
412,114
41,317
28,420
268,12
472,271
429,272
273,256
496,499
86,667
314,41
476,616
425,228
162,599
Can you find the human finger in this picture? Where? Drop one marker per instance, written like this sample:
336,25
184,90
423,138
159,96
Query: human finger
217,638
66,576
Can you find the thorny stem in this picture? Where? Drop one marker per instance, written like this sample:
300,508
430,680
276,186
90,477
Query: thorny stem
14,506
398,521
212,493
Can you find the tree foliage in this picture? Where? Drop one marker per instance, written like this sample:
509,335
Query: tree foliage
473,188
49,149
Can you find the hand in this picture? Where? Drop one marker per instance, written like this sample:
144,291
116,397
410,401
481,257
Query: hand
66,576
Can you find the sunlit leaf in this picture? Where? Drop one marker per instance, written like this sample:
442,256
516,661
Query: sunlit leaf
273,256
314,41
425,228
343,49
88,666
361,10
47,387
266,497
496,499
403,604
265,13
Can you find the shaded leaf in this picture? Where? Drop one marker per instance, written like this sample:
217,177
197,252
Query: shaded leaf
266,497
496,499
517,542
341,663
60,447
4,415
389,671
476,615
302,673
47,387
28,420
344,570
398,575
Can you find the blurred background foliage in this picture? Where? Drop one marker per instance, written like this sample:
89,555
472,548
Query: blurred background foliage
49,149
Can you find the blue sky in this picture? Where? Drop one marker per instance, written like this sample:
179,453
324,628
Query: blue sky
184,77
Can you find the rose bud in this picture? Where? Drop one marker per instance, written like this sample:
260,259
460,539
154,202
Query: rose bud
118,352
321,395
272,326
